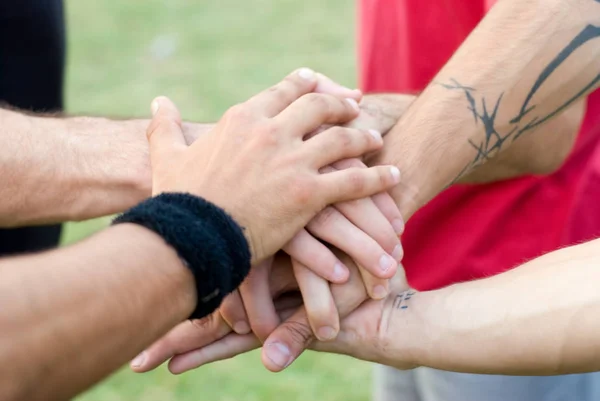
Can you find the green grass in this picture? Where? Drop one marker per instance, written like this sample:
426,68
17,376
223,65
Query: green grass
208,55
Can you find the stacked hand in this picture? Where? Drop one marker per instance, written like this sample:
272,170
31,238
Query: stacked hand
366,229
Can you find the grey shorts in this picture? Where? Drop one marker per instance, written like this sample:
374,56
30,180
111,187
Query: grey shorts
424,384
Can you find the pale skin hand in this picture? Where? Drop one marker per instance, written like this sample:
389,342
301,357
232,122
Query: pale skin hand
367,229
437,123
273,123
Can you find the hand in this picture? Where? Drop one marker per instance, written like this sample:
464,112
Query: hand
257,149
367,229
193,344
362,336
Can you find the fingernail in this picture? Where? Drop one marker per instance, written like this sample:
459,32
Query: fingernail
375,134
398,226
395,174
353,104
154,107
139,360
326,333
339,271
386,262
398,253
279,354
380,292
241,327
306,73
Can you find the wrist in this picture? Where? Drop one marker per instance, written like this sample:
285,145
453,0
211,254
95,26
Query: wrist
410,329
110,167
430,146
382,111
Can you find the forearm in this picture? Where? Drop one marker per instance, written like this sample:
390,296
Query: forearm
541,318
525,64
542,151
60,169
109,297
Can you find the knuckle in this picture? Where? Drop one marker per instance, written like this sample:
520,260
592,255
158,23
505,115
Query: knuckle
344,137
281,91
203,324
299,332
325,217
302,190
268,133
356,180
239,112
318,101
383,176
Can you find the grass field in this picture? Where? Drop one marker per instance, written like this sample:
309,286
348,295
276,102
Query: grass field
207,55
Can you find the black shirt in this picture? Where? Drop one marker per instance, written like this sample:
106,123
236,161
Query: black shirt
32,62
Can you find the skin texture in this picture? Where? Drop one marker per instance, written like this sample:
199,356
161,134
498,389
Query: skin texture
487,100
55,304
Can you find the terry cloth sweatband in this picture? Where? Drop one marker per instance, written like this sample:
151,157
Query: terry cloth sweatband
210,243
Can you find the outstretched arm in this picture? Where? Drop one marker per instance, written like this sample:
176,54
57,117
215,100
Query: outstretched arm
522,68
58,169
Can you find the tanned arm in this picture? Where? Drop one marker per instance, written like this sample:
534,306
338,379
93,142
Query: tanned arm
522,67
58,169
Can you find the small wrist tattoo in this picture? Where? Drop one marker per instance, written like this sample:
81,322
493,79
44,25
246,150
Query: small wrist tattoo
401,300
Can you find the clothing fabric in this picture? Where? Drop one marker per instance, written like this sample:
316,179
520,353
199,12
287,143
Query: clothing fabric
32,62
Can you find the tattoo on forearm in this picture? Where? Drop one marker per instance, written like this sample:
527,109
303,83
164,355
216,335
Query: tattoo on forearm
401,300
526,119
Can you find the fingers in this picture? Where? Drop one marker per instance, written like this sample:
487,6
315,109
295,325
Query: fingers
185,337
333,227
356,183
320,307
317,257
338,143
383,200
387,206
165,133
258,300
365,215
277,98
287,343
328,86
313,110
228,347
233,312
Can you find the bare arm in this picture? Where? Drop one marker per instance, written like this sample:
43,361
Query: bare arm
541,318
523,66
541,152
59,169
71,316
80,312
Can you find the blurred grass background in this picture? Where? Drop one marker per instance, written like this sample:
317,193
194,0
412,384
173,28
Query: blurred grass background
208,55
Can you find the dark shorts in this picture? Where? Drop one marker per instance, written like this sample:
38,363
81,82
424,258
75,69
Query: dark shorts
32,63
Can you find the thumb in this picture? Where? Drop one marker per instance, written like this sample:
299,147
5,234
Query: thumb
165,133
287,342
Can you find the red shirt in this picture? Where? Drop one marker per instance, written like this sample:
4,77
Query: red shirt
469,232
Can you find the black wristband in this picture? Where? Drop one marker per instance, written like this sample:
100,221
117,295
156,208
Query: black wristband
211,244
